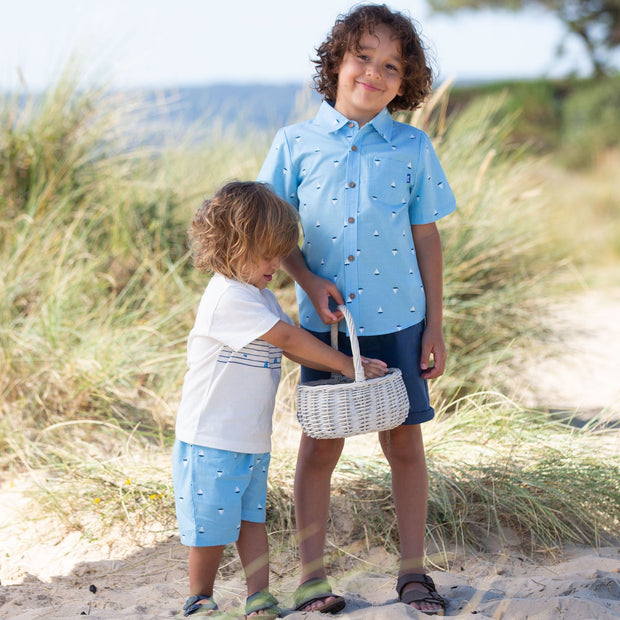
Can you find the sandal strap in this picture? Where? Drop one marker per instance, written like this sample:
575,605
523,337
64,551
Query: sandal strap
192,605
419,596
408,578
262,600
311,590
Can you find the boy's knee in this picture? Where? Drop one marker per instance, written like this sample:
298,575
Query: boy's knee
321,453
403,445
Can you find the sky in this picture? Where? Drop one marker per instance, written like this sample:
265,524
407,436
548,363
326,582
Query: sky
170,43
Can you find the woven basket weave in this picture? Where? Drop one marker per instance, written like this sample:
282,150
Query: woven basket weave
340,407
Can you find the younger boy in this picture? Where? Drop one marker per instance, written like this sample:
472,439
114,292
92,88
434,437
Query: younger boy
234,352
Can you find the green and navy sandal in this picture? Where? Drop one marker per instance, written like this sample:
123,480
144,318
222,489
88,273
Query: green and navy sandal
262,601
194,608
317,589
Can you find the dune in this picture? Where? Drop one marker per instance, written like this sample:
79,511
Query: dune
47,573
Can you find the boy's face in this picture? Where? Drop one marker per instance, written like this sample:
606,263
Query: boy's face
370,78
261,273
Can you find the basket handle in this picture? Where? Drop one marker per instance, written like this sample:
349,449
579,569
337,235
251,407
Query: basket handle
355,347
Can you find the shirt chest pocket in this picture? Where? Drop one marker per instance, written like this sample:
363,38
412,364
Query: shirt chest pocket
389,181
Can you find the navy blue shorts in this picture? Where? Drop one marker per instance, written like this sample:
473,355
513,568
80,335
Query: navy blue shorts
400,349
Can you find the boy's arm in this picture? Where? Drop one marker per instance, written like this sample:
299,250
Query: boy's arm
302,347
430,261
318,289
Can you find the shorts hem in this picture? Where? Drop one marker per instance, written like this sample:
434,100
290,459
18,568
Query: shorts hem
191,539
418,417
255,518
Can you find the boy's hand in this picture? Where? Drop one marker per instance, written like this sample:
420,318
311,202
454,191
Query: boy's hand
433,344
373,368
319,290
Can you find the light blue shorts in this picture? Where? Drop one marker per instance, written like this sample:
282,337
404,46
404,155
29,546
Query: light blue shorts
214,490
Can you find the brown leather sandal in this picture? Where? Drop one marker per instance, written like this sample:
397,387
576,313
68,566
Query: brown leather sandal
428,595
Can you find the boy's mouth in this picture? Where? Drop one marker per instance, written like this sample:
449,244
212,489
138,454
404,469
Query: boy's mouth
367,86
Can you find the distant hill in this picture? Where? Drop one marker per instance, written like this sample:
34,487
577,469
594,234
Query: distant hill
545,109
230,108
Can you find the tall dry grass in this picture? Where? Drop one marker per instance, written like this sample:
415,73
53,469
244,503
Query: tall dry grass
98,298
500,255
97,295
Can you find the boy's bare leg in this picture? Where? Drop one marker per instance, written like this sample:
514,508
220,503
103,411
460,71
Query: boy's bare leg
316,461
203,565
404,450
253,549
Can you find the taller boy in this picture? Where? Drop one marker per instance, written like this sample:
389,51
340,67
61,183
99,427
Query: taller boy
369,191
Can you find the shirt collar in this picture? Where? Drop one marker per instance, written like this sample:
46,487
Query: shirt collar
329,118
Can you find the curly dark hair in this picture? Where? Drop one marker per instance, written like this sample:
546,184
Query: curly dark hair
345,36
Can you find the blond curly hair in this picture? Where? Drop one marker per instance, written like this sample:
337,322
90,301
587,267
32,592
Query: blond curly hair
241,224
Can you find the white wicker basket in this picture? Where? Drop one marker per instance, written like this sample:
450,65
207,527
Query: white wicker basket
340,407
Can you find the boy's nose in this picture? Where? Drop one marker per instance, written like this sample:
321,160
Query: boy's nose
373,70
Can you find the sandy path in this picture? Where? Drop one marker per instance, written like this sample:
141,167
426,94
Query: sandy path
47,574
586,376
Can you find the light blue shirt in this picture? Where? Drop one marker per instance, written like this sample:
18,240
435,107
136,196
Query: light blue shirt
357,192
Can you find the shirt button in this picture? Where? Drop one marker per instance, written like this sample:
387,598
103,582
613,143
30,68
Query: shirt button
350,124
351,220
352,184
352,296
354,148
351,258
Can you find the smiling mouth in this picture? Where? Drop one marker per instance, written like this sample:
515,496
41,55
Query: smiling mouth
367,86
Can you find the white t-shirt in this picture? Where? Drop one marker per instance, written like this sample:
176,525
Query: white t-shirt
230,388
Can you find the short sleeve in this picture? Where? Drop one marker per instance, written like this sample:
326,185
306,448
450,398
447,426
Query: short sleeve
278,171
272,302
432,197
240,317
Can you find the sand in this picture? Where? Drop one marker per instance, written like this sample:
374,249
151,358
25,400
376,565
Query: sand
47,573
66,577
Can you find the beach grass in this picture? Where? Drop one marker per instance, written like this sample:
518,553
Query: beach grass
99,296
500,474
